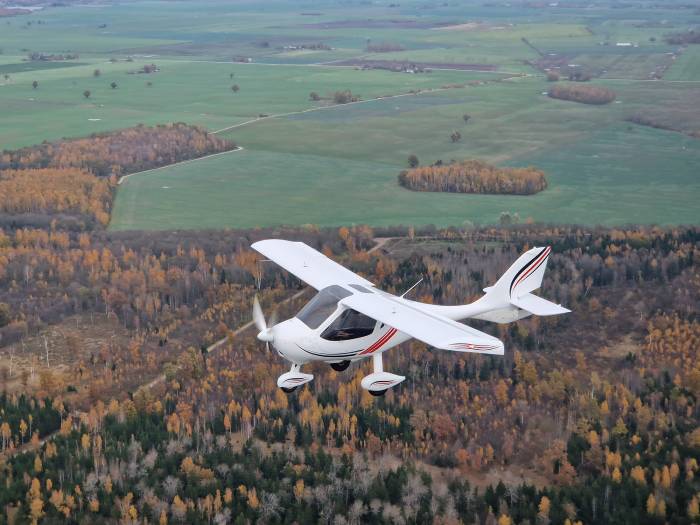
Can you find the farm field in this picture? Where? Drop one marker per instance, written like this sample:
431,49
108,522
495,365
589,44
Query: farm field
599,183
193,92
687,67
339,165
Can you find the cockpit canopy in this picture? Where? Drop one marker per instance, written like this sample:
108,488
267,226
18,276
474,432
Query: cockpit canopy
349,324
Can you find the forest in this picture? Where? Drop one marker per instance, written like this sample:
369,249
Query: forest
64,191
590,418
582,93
474,176
120,152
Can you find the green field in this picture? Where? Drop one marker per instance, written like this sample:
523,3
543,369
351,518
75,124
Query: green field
687,67
189,91
339,166
307,162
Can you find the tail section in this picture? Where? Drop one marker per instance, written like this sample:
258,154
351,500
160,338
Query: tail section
510,298
524,275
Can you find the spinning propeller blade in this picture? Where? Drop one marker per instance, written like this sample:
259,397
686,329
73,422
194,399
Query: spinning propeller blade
265,333
258,316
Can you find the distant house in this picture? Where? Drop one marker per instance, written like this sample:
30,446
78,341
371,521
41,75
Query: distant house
624,44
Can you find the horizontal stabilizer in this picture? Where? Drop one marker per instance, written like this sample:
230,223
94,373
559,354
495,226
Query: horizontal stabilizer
538,306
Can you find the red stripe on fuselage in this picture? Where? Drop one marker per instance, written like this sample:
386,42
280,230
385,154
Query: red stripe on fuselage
380,342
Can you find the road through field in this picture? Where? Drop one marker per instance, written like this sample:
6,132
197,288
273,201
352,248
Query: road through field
124,177
358,102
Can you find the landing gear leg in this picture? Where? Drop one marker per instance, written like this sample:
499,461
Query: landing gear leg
378,363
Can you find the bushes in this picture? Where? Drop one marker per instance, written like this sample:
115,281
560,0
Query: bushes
344,97
474,176
583,94
684,38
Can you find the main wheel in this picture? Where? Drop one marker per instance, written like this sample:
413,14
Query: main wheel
378,393
288,390
339,367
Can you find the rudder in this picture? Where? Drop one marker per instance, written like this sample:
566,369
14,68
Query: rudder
524,275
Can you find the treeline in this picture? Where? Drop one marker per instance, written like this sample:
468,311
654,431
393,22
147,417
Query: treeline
44,57
120,152
67,191
474,176
384,47
643,120
685,38
584,94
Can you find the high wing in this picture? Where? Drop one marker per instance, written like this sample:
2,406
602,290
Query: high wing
309,265
434,330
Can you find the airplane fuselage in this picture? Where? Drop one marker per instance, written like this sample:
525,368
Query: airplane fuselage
300,344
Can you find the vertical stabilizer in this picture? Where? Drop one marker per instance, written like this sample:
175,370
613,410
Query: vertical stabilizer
525,275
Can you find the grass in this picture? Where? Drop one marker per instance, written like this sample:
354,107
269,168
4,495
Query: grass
190,91
687,66
339,165
306,169
23,67
264,188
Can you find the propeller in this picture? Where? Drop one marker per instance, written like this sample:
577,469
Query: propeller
265,333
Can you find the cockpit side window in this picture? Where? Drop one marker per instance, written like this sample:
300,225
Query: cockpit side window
323,304
349,325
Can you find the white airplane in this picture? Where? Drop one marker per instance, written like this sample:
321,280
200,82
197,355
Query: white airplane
350,319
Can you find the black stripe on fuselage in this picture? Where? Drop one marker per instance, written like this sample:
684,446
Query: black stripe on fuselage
525,268
350,354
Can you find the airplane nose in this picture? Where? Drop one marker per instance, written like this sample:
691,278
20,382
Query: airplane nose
266,336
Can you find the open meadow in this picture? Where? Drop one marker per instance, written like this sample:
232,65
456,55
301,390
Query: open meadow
247,74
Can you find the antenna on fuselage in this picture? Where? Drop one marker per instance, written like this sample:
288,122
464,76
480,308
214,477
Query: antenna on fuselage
412,287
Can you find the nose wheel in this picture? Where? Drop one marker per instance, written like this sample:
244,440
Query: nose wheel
339,367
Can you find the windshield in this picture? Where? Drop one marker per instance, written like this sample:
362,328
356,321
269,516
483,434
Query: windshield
349,325
321,306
